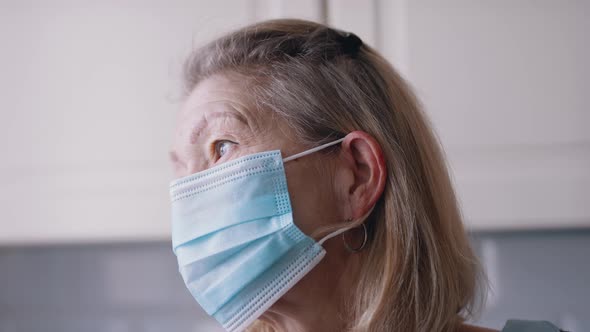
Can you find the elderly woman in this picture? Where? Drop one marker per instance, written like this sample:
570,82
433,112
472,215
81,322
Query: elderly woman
312,194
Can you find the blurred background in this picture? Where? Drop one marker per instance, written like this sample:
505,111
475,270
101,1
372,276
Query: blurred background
88,94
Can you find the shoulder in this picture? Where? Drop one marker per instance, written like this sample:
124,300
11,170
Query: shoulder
473,328
529,326
514,325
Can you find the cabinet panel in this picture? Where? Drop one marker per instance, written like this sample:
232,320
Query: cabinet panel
515,71
89,95
504,84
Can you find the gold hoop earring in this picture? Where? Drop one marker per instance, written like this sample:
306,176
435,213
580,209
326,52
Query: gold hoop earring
362,244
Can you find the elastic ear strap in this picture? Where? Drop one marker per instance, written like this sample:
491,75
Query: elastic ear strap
310,151
331,235
346,228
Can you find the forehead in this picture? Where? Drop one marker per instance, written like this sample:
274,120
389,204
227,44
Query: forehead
212,103
215,90
221,107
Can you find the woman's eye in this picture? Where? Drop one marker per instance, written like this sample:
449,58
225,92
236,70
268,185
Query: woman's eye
223,147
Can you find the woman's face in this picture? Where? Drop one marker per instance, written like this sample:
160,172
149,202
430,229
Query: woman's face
218,123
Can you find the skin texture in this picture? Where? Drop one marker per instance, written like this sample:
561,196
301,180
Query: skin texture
218,123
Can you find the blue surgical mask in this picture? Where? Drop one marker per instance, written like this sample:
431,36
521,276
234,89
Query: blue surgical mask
237,247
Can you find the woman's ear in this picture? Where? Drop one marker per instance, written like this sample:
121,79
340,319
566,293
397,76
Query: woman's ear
365,166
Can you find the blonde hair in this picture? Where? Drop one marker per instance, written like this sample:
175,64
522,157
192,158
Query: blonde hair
418,270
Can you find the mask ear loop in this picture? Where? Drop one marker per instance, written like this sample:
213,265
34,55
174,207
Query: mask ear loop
343,229
310,151
349,227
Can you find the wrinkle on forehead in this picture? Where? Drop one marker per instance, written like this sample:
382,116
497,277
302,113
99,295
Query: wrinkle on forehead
227,90
204,122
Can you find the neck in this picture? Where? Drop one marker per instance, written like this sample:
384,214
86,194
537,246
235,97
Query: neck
318,301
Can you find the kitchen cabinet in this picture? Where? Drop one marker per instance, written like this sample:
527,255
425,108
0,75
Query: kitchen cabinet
89,92
505,84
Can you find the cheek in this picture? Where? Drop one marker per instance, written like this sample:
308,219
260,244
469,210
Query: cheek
312,198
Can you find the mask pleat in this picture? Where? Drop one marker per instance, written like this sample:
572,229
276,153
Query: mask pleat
212,288
251,199
215,244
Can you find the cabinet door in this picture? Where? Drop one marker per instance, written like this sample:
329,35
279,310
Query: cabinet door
89,91
505,84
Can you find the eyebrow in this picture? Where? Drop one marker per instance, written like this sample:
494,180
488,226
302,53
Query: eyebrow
197,128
